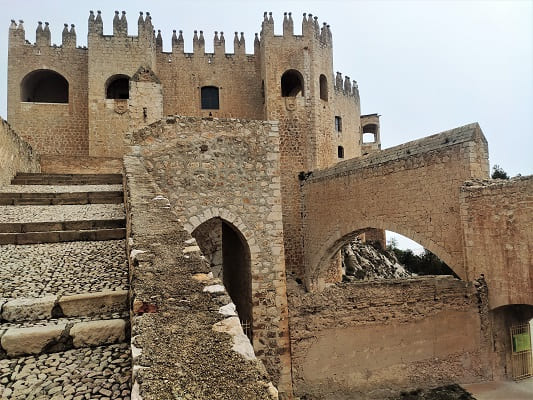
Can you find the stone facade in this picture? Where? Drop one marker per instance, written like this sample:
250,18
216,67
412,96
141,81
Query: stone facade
15,155
229,170
248,168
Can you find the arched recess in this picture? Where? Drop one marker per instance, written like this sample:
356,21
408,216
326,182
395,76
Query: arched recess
118,87
232,253
292,83
44,86
317,267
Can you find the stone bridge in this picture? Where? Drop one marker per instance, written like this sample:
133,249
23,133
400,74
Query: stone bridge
418,190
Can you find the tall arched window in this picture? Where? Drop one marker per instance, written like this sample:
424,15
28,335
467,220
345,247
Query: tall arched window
323,87
44,86
210,99
118,87
292,83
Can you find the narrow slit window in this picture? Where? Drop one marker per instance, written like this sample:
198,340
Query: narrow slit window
338,124
340,152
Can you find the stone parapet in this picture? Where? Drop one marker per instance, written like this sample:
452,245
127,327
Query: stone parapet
16,155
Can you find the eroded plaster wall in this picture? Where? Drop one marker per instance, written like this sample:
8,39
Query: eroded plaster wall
373,339
497,220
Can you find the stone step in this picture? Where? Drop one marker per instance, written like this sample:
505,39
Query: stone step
22,198
57,306
66,179
62,236
57,226
39,270
60,335
102,372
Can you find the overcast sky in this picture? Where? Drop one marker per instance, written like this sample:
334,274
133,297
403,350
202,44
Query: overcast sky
425,66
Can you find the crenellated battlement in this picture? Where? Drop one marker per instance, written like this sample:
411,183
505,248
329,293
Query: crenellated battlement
145,28
310,28
17,36
345,86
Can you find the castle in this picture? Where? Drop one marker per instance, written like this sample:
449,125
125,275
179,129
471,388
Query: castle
266,160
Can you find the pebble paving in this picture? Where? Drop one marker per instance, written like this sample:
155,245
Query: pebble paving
24,214
37,270
59,189
58,321
96,373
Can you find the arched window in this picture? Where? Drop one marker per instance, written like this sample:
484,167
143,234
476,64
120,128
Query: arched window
118,87
323,87
340,152
44,86
370,132
210,98
292,83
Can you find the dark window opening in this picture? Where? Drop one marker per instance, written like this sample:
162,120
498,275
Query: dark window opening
340,152
338,124
292,83
118,87
44,86
210,98
323,88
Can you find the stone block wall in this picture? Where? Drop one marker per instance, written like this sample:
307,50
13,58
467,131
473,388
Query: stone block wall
412,189
51,128
497,219
229,169
15,155
369,340
186,340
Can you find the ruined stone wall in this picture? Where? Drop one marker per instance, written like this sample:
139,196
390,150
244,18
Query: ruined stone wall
237,76
15,155
182,333
51,128
369,340
412,189
497,220
230,169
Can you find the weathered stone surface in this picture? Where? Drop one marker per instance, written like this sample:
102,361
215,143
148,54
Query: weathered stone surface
25,309
97,333
94,303
19,341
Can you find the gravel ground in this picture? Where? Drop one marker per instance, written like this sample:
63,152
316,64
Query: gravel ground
58,188
61,213
96,373
37,270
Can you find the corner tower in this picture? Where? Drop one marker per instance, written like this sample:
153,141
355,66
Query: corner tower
300,92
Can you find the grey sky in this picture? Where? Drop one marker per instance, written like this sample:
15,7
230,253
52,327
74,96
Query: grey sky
425,66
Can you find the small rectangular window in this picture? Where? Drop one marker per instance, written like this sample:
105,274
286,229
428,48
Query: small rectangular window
338,124
209,98
340,152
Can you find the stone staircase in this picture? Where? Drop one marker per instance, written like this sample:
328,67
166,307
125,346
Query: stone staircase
64,311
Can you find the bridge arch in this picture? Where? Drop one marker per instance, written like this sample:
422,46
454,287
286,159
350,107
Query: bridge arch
319,264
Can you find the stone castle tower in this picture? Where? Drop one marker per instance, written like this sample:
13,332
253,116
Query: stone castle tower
73,101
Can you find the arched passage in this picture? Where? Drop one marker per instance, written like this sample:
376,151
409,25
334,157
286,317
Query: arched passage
228,252
320,270
44,86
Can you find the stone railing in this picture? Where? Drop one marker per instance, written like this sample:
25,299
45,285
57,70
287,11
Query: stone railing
15,154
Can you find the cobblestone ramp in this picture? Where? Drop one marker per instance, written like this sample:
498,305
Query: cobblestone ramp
64,327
